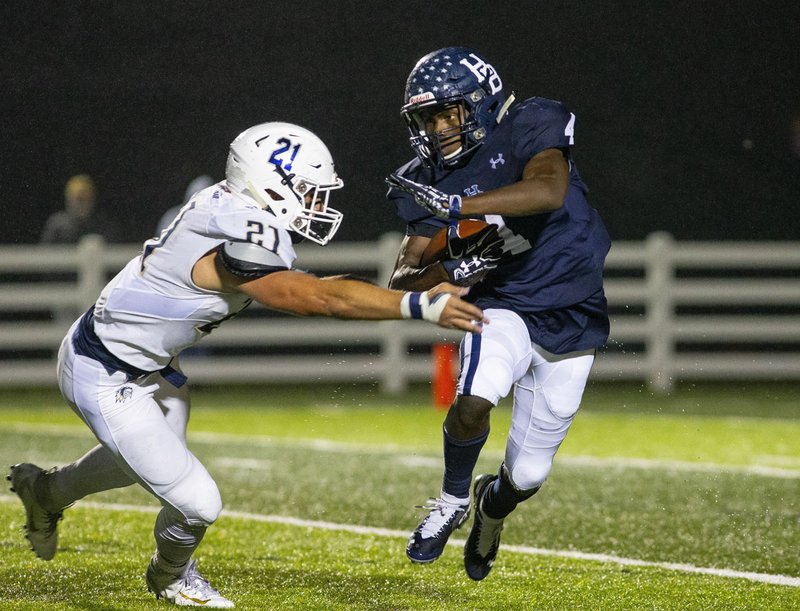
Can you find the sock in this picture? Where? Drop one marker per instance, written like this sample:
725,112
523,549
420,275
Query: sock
460,457
175,542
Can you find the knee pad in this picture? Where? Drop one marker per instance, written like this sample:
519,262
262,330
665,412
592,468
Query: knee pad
522,493
200,511
207,511
204,505
195,496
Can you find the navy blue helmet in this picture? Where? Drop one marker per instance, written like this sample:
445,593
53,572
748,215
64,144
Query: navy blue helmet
450,77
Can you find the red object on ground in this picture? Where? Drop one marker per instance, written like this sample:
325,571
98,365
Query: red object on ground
445,371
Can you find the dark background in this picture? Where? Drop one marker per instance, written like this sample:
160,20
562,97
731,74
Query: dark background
683,108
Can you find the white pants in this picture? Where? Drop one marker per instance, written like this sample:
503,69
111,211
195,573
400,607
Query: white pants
141,426
547,391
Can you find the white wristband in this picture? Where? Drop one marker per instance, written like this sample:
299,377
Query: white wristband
418,306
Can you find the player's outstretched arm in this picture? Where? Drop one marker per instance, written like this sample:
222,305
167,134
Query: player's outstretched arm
307,295
341,297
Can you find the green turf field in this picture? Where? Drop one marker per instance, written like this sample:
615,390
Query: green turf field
685,502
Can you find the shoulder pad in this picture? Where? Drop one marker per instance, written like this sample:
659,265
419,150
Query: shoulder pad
248,260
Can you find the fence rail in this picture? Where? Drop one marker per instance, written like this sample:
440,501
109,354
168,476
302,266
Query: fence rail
680,311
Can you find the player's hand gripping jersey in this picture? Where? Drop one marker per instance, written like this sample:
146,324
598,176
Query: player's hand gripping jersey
152,310
553,269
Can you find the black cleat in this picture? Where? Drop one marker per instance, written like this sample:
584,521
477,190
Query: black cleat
484,538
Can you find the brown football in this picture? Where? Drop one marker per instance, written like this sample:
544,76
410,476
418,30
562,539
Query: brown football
437,247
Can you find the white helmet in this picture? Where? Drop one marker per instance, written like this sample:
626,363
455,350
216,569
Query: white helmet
289,171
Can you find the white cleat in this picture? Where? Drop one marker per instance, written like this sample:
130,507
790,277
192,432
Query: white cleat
41,526
189,590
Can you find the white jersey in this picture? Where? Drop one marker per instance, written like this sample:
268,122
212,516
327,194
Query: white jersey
152,310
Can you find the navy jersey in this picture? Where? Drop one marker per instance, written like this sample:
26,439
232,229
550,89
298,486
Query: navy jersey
553,274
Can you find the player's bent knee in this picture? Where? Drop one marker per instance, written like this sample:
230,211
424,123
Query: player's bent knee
196,496
470,411
527,479
207,503
205,508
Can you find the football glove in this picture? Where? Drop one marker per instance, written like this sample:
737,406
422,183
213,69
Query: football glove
474,257
469,270
434,201
484,242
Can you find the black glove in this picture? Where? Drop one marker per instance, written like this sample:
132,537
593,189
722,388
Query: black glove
479,254
478,243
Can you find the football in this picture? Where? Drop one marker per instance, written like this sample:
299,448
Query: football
437,248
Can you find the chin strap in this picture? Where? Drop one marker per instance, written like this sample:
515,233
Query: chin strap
504,107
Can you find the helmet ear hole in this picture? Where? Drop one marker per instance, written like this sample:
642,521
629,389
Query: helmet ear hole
275,196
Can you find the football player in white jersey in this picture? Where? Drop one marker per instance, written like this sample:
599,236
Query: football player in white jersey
118,367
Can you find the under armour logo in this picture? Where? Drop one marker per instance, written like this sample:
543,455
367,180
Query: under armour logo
471,190
497,161
467,268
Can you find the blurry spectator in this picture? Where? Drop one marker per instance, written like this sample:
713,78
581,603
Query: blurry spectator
198,183
80,215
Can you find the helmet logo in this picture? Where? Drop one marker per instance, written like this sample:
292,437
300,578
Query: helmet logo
279,153
422,97
483,72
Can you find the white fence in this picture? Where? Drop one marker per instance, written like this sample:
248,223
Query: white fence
680,311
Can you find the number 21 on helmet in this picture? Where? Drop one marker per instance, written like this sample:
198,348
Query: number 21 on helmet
287,170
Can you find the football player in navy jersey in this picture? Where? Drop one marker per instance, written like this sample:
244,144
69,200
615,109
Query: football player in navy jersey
118,366
536,270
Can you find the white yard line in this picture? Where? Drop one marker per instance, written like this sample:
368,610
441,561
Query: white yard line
677,465
249,464
424,459
780,580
